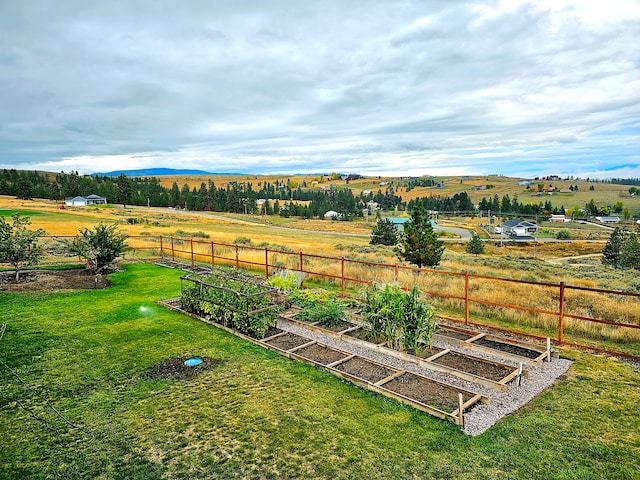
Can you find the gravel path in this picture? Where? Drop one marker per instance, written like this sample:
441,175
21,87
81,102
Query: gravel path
481,416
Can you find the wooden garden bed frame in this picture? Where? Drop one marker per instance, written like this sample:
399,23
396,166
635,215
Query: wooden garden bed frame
427,363
455,416
543,353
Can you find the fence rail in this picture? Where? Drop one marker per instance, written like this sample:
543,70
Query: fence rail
599,319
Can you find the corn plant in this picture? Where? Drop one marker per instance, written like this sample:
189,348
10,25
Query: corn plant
403,320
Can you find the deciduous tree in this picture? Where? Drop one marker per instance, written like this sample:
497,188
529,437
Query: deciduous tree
19,245
99,247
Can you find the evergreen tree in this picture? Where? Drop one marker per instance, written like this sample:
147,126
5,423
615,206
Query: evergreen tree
419,243
475,245
384,233
612,252
125,189
630,255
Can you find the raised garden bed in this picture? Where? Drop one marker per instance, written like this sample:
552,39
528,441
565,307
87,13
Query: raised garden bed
474,366
358,370
286,341
321,354
514,350
427,392
364,369
459,365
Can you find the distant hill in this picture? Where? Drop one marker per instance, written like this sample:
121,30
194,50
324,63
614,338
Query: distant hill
154,172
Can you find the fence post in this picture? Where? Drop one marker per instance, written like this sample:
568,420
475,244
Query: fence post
300,262
395,278
342,275
237,261
561,315
466,298
213,255
161,248
266,262
173,252
192,253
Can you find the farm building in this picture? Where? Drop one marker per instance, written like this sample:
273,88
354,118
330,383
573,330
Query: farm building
608,219
80,201
331,214
519,228
559,219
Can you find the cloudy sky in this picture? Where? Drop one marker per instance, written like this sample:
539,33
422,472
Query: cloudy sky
374,86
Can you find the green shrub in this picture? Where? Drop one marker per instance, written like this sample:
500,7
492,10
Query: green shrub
242,241
330,313
563,234
311,296
287,282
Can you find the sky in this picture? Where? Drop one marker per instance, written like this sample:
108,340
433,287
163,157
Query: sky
375,87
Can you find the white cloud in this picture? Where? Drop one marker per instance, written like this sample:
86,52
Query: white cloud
425,87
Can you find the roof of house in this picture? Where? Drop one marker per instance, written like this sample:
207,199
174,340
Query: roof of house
518,222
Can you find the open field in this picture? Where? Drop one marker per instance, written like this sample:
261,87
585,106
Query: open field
332,238
255,414
603,193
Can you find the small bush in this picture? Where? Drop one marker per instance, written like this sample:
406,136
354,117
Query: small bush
242,241
563,234
287,282
182,233
330,313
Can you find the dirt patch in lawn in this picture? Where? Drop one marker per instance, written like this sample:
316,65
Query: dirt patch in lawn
175,369
52,280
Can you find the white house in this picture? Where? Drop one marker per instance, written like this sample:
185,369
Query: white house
608,219
519,228
559,218
80,201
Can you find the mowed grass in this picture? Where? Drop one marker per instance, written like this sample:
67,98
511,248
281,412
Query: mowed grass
259,415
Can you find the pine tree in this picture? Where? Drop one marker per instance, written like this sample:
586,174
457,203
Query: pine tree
612,252
419,243
384,233
475,245
630,255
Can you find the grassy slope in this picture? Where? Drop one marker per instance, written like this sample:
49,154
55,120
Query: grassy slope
259,415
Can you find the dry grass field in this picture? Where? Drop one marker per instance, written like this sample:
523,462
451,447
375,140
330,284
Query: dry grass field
603,194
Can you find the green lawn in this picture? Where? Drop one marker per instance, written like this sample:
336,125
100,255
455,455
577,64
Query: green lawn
259,415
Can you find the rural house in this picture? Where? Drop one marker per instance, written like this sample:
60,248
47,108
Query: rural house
519,228
608,219
80,201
